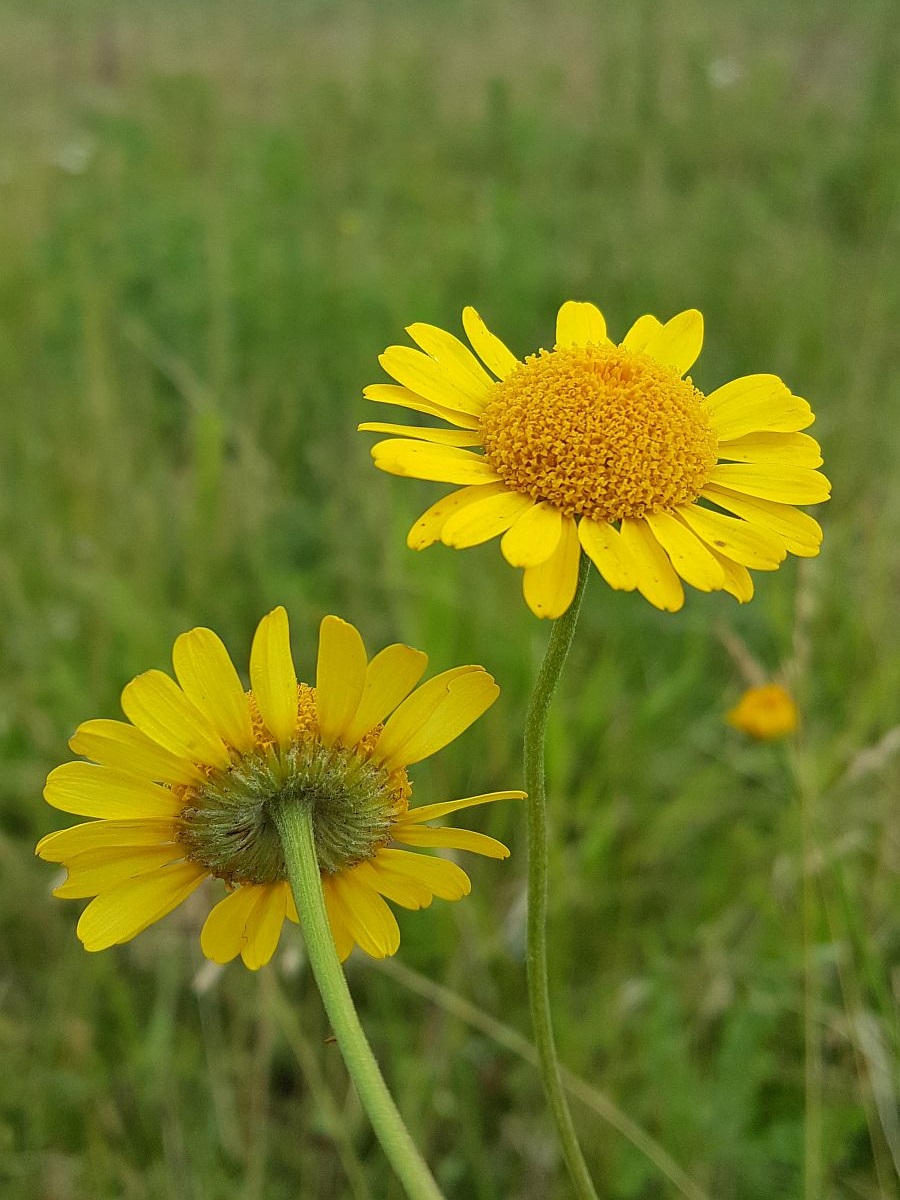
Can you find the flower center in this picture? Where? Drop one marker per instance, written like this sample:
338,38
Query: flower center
227,826
599,432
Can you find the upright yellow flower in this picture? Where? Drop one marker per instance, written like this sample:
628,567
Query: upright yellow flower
604,448
184,792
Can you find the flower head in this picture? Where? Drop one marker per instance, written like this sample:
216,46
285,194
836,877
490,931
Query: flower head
184,792
604,448
765,712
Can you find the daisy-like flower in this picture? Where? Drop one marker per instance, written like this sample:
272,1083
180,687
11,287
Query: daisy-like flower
604,448
185,791
765,712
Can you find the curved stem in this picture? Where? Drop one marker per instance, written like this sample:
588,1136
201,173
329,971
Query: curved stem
294,826
538,989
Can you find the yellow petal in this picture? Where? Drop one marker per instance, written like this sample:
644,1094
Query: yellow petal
416,710
224,932
656,577
438,876
460,364
390,677
427,530
398,886
209,680
264,925
440,464
787,485
450,839
492,352
125,910
95,871
366,917
465,699
679,342
578,323
252,930
800,532
116,744
392,393
431,812
790,449
441,437
340,677
91,791
98,835
423,375
738,580
753,403
640,333
292,914
343,940
602,543
534,537
157,706
746,544
272,676
549,588
687,554
486,518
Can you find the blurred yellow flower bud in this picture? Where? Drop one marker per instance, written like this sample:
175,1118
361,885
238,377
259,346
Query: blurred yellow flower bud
765,712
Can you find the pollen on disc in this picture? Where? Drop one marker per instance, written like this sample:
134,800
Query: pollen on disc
599,432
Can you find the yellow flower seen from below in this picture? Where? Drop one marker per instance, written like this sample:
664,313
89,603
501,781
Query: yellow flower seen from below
607,449
183,791
765,712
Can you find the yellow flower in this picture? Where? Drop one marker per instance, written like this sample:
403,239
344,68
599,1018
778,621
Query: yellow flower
607,449
765,712
183,792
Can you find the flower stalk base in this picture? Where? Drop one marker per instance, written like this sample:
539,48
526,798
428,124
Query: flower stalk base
295,830
536,956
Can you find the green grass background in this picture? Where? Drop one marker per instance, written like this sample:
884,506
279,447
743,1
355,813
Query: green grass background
212,219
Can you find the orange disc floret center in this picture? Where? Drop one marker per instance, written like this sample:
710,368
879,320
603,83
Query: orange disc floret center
227,825
599,432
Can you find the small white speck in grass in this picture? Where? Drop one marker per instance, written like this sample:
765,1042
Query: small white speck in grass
724,72
74,155
206,978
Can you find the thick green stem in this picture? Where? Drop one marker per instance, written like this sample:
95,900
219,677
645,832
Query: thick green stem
295,831
538,988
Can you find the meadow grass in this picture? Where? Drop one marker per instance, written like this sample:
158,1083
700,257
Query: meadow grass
212,219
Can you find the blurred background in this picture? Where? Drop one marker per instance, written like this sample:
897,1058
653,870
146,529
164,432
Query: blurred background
213,217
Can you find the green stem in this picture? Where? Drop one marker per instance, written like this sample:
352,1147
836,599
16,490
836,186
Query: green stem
538,988
294,825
